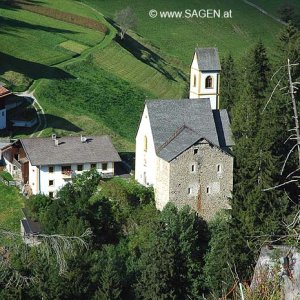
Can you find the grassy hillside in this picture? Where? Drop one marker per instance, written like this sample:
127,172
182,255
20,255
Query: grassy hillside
272,6
10,208
180,36
161,81
32,43
88,81
96,94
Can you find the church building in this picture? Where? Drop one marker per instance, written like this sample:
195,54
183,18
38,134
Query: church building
183,147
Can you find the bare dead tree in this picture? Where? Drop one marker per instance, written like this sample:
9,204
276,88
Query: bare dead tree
57,245
126,20
291,89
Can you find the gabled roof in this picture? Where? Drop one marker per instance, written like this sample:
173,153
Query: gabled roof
178,124
208,59
70,150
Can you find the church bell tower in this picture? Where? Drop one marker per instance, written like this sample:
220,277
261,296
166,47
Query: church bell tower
205,76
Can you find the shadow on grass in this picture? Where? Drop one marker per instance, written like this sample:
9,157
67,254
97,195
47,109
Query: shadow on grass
54,122
8,24
58,123
145,54
31,69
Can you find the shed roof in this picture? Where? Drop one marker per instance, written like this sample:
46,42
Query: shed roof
208,59
30,226
178,124
70,150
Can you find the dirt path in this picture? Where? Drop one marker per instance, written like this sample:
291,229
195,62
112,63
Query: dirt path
42,121
264,12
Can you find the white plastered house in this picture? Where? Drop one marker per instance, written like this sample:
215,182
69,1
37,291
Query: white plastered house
47,164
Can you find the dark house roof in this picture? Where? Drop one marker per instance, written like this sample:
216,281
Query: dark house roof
70,150
208,59
30,226
178,124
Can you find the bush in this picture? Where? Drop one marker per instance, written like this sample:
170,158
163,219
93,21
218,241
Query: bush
6,176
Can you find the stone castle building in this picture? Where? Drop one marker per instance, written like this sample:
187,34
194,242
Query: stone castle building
183,146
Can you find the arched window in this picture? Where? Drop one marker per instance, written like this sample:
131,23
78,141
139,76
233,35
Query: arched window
195,81
208,82
145,144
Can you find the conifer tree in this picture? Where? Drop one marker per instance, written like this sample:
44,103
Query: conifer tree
229,83
258,70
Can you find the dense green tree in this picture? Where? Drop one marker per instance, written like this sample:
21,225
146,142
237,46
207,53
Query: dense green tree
157,279
175,260
229,83
108,273
258,70
218,259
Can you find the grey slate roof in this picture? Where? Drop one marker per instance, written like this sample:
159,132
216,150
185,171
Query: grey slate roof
208,59
178,124
30,226
70,150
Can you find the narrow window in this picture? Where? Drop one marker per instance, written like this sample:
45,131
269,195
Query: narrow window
196,151
79,168
190,191
195,81
145,144
207,190
208,82
219,169
93,166
51,169
51,194
51,182
104,167
193,168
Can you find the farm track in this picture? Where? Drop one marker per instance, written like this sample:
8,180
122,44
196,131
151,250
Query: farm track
42,121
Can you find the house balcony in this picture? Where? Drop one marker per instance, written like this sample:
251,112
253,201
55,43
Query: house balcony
17,164
67,174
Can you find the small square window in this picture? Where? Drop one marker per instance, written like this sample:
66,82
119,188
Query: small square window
195,150
190,191
93,166
51,194
193,168
51,169
79,167
51,182
104,167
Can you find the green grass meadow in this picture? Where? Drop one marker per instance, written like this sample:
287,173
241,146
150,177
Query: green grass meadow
92,83
30,45
11,203
272,6
179,37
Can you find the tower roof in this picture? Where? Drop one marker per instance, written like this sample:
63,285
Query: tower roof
208,59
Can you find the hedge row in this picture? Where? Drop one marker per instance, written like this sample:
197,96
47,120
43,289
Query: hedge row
60,15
